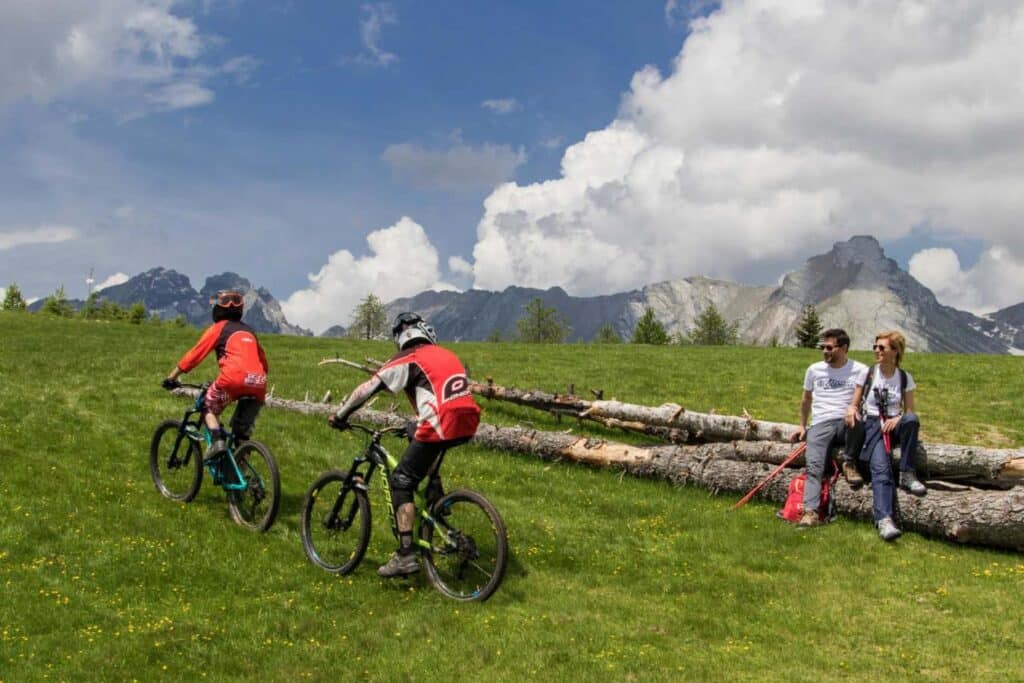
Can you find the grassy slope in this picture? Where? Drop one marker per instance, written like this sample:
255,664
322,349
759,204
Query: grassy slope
610,576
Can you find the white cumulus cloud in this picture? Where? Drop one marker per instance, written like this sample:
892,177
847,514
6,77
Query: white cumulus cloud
46,234
780,128
115,279
402,262
987,286
132,56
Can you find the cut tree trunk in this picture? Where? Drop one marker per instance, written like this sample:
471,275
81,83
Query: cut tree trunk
769,440
990,518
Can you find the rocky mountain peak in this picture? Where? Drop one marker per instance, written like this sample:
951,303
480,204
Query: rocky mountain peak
860,249
226,280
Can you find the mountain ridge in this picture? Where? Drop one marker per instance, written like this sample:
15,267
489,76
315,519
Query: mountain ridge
854,286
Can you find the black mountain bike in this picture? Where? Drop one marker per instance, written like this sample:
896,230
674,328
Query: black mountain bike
461,537
246,470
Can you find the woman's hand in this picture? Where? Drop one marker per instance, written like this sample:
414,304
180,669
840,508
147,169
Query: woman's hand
890,424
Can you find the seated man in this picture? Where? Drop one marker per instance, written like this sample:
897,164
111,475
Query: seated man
832,392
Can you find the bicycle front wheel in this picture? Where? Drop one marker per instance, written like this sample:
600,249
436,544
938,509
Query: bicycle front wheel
255,507
175,462
335,523
468,546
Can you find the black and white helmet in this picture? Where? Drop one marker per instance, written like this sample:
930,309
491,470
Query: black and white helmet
410,328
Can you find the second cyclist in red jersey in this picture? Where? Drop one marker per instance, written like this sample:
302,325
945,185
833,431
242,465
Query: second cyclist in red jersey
243,368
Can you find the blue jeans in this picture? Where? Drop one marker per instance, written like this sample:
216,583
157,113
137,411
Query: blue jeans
883,487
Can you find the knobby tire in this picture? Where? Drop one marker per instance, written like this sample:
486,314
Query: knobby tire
469,547
176,475
335,531
255,508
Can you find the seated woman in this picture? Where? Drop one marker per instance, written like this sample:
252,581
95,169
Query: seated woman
889,419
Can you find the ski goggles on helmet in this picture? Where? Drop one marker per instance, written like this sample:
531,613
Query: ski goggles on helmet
227,299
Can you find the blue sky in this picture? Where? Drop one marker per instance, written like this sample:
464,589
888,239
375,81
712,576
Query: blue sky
392,147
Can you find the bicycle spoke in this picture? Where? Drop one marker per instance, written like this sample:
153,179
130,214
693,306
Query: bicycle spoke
470,553
255,505
335,523
175,476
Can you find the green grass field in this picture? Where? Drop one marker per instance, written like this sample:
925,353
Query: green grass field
611,577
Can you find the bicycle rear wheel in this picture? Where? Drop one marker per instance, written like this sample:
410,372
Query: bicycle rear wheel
335,523
468,546
175,462
255,508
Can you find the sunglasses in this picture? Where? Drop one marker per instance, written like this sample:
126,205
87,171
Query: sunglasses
880,347
830,347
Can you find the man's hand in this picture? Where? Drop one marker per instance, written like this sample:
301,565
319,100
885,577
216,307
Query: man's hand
851,416
339,423
798,435
170,383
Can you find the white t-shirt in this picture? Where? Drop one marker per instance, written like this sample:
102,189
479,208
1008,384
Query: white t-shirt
893,395
832,388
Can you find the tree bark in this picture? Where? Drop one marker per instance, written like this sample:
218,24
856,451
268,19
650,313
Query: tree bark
938,460
989,518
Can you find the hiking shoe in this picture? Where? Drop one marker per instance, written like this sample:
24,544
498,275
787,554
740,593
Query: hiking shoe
853,477
910,482
216,448
887,530
809,519
399,565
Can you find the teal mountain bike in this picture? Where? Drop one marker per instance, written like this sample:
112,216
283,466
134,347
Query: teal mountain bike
246,470
461,537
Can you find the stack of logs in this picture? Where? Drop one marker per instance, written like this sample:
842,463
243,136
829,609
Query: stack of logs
973,496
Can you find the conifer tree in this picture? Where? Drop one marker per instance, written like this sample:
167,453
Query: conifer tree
57,305
13,300
649,329
369,320
542,324
711,329
607,335
808,328
137,313
91,309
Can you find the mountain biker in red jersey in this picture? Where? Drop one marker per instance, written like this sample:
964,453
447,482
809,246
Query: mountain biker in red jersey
435,381
243,369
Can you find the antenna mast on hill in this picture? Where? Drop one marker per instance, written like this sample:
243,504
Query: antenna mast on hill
89,282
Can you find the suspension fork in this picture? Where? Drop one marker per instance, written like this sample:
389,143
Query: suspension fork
354,480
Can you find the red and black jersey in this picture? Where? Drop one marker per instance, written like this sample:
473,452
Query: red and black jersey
435,381
239,354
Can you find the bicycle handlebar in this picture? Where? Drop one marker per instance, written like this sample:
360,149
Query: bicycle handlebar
374,432
185,385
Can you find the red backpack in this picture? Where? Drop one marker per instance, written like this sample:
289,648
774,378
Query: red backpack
793,510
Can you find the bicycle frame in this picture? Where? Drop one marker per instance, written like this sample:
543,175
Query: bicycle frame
194,428
378,457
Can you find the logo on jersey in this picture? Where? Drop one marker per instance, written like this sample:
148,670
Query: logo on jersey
457,386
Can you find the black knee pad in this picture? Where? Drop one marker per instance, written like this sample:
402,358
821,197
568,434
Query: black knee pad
402,487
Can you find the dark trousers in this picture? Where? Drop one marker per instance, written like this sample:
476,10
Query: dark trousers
417,462
883,484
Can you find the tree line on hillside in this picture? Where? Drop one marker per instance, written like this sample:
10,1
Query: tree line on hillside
539,324
542,324
57,305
